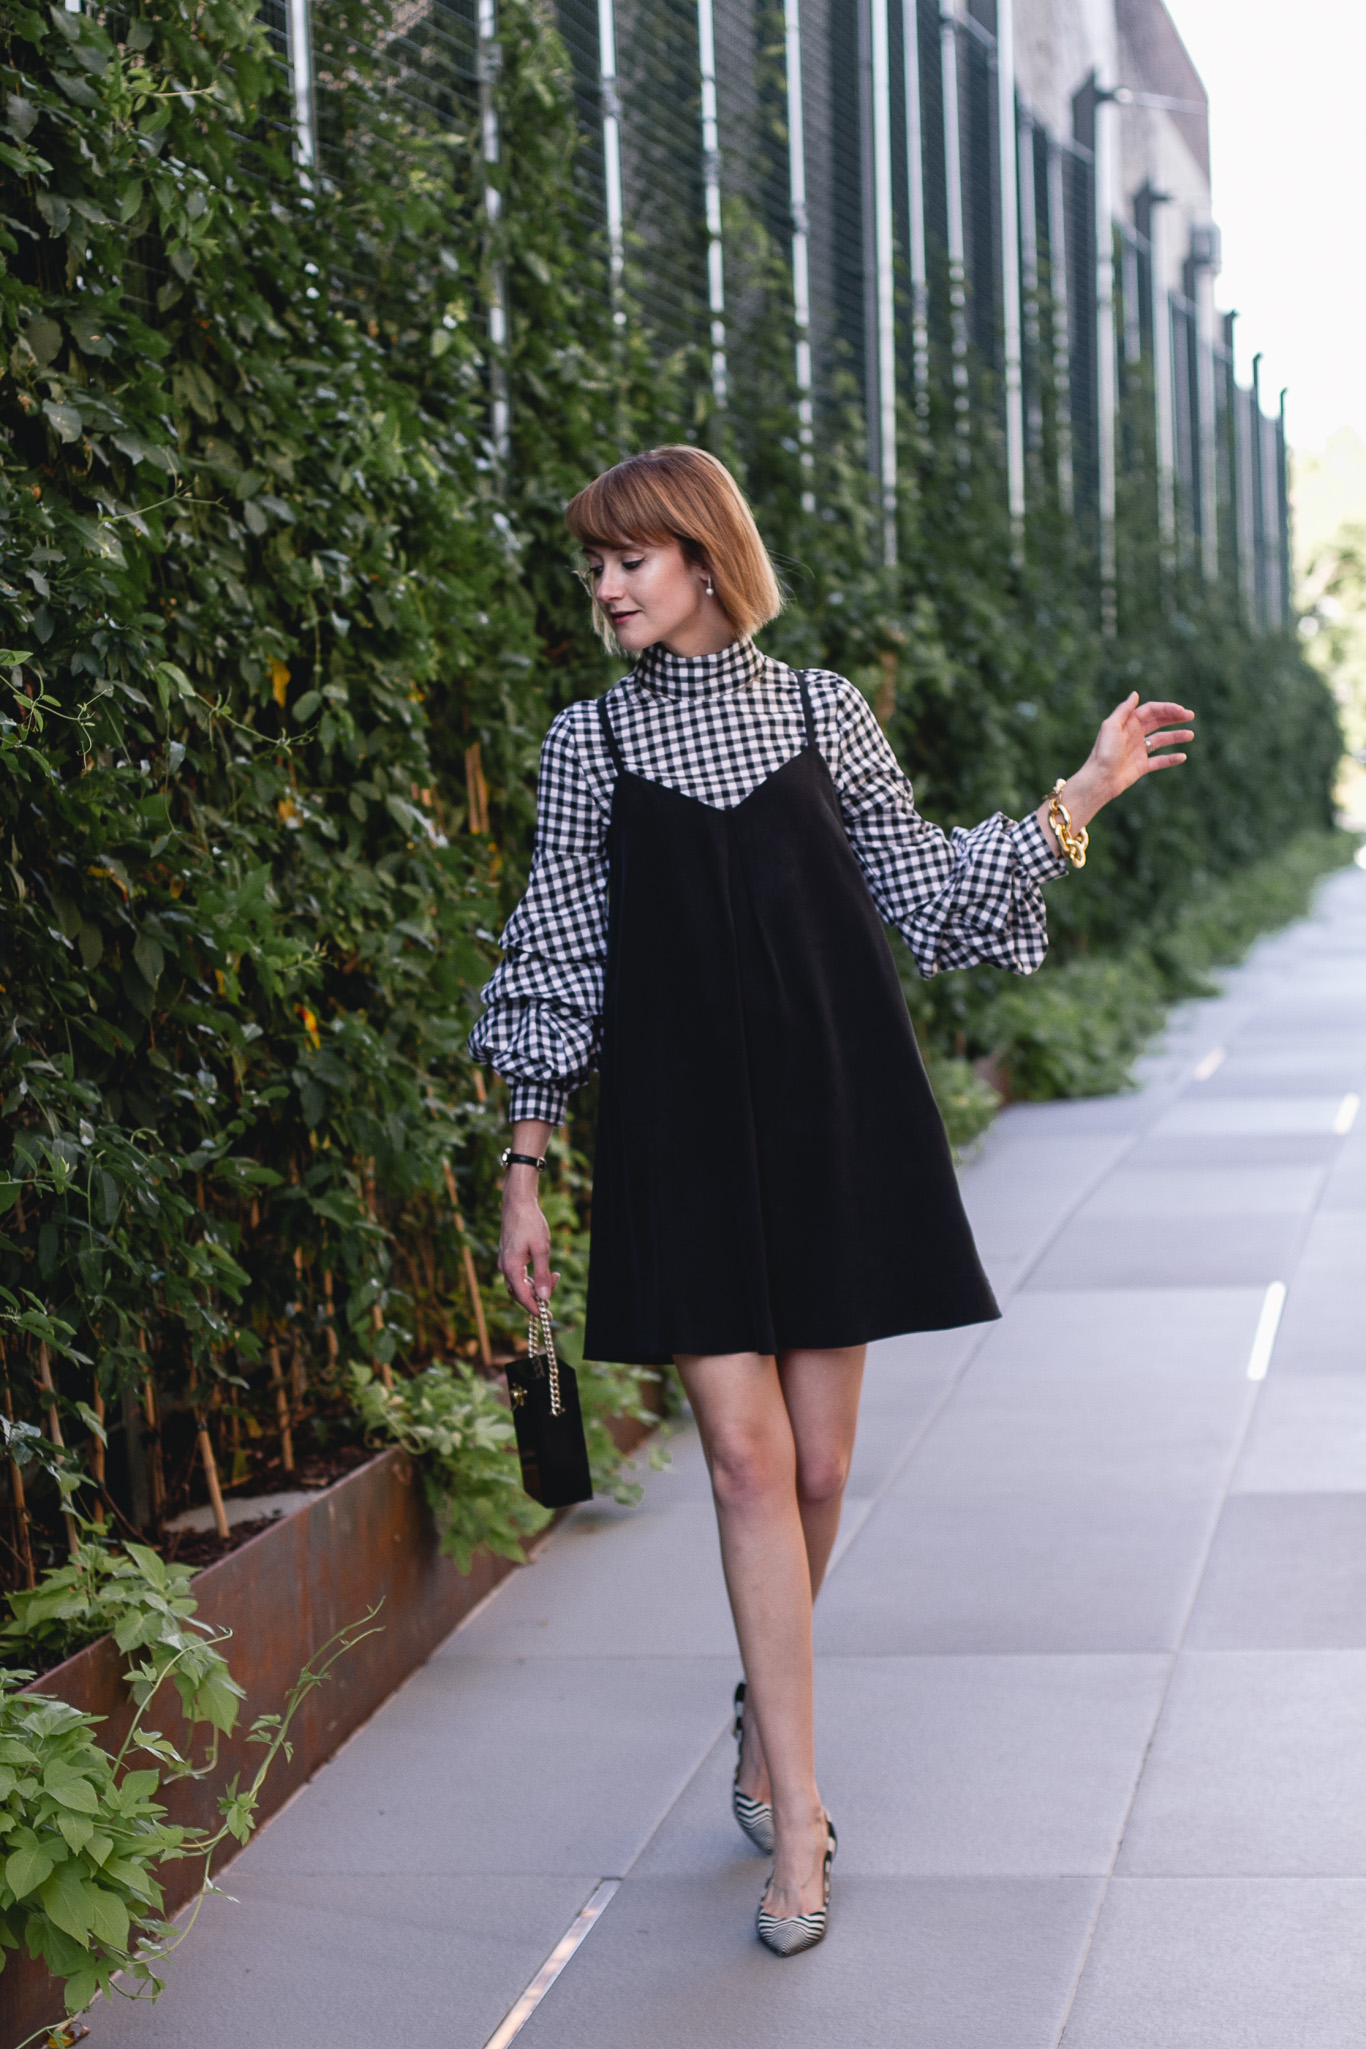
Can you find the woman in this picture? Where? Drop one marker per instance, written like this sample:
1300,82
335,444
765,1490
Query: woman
719,839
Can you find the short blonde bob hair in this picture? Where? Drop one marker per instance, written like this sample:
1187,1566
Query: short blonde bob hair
685,495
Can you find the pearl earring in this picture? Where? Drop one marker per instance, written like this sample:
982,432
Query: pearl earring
710,592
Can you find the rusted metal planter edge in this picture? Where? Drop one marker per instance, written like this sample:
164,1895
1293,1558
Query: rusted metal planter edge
367,1539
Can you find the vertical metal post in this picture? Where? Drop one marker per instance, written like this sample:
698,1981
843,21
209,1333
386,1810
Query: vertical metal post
1283,508
1029,278
1205,252
1133,325
611,143
1010,271
1060,323
1245,488
953,185
1164,396
915,207
801,271
1271,504
1106,367
1258,499
299,44
490,64
886,303
711,181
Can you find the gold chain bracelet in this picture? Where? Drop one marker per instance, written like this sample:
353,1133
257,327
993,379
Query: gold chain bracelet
1073,844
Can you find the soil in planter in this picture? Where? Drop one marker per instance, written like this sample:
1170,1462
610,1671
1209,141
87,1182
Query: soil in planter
320,1469
205,1547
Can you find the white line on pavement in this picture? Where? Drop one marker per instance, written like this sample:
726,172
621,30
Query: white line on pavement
1214,1058
1268,1323
564,1949
1347,1116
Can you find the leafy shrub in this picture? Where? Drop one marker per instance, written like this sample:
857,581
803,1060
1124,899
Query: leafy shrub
1075,1028
967,1103
461,1434
82,1834
147,1607
82,1840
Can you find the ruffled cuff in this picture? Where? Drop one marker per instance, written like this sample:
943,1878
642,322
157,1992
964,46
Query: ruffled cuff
1035,852
537,1099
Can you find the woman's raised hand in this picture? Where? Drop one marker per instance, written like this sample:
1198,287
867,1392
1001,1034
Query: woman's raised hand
1134,741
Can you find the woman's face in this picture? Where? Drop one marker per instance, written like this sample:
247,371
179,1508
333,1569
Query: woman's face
653,592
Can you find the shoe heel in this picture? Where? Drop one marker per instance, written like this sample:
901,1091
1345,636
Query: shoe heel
754,1817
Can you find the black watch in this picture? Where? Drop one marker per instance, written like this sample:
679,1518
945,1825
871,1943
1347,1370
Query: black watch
511,1159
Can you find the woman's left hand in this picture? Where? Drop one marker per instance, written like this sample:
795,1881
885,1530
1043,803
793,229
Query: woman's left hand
1134,741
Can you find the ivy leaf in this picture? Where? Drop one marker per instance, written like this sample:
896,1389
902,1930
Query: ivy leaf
66,1899
216,1701
76,88
81,1990
70,1790
76,1829
44,337
89,335
26,1869
20,115
65,420
149,957
108,1916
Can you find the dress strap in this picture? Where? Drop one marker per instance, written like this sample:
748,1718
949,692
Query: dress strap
802,675
609,735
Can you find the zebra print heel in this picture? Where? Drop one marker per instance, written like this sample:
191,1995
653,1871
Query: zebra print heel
754,1816
787,1935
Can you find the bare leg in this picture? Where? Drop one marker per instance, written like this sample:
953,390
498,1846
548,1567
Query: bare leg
821,1392
742,1411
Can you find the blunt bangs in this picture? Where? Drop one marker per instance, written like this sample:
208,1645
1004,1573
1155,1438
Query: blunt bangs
685,495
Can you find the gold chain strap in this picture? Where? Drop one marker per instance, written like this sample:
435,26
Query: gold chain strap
539,1326
1073,844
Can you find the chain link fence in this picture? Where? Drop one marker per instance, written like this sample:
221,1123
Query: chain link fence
903,242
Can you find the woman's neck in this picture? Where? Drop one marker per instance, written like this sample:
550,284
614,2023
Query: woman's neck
701,636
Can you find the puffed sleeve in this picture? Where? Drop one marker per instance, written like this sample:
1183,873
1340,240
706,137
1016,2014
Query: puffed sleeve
541,1025
961,899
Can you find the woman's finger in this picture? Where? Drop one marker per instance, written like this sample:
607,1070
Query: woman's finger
1159,714
542,1278
514,1273
1162,761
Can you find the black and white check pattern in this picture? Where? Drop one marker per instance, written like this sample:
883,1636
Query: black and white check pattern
713,727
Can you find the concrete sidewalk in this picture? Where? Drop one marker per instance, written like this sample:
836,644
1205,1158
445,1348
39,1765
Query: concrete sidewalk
1091,1690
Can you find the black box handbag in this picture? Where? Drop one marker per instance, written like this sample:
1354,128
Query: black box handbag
545,1413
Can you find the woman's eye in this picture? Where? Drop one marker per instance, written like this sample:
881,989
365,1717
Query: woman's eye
633,565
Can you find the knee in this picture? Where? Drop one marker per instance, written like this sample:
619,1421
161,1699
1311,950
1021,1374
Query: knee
747,1469
821,1477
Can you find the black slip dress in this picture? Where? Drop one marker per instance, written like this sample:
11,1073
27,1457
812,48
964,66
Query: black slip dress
771,1168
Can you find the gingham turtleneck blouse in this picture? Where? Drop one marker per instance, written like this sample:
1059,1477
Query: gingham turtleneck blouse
713,727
